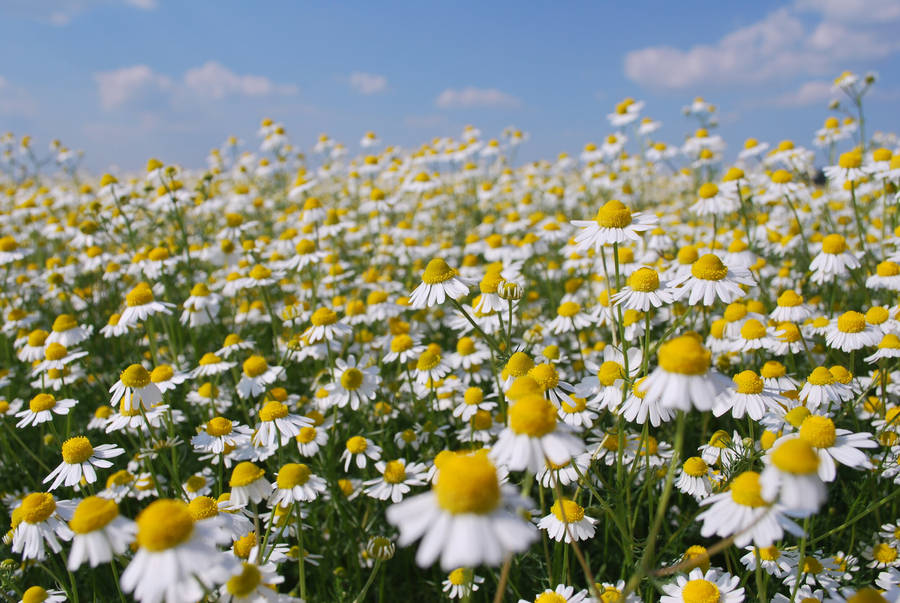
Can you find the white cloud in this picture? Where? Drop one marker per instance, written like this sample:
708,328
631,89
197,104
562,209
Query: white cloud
367,83
216,81
475,97
120,87
782,45
140,85
810,93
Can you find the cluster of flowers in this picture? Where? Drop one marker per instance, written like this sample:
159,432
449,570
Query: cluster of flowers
643,372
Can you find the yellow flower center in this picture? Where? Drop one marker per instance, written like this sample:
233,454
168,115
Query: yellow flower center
545,376
465,346
708,191
428,360
394,472
884,553
254,366
42,402
352,379
35,594
63,323
244,583
550,597
164,524
700,591
820,376
684,355
467,483
851,322
481,420
796,456
460,576
55,351
567,511
782,177
889,341
811,565
473,396
850,159
142,294
769,553
323,317
734,312
746,490
532,415
753,329
644,280
244,474
613,214
162,373
437,271
876,315
93,513
789,299
293,474
709,268
77,450
867,595
888,268
273,410
519,364
578,405
695,467
306,435
243,545
796,416
773,369
818,431
834,244
218,426
135,377
37,507
357,445
568,309
609,372
203,507
748,382
260,272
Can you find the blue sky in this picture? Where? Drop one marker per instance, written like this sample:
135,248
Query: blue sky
125,80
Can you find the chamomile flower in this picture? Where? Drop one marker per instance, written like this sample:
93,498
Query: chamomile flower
99,532
850,332
177,557
684,378
135,388
694,478
358,449
710,279
569,318
278,425
41,409
68,332
467,519
295,482
711,586
533,435
643,291
140,305
248,484
614,224
39,522
397,478
257,376
354,384
748,395
561,594
81,459
832,444
461,583
822,389
834,261
791,477
567,522
210,365
325,326
439,281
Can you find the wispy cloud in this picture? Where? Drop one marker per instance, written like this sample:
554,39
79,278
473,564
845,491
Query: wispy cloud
810,93
61,12
475,97
367,83
781,45
140,86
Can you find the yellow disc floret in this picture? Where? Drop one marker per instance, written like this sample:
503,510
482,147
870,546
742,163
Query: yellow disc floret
467,483
164,524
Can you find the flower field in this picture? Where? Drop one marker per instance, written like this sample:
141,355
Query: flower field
646,372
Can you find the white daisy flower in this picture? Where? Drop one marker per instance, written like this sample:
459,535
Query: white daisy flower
396,479
697,586
81,459
41,409
439,281
99,532
614,224
567,521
